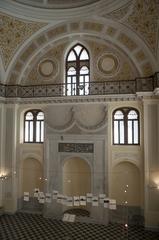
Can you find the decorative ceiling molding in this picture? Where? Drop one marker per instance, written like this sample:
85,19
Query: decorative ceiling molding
109,63
56,4
144,20
66,126
121,13
142,17
13,33
74,121
97,127
122,37
35,74
47,14
82,99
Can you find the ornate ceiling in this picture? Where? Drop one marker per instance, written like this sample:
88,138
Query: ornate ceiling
59,10
13,32
56,4
132,26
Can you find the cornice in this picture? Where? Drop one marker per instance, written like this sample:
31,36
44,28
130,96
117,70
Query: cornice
54,4
76,99
42,14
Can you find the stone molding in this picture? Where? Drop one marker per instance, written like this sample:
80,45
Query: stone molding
61,14
74,121
83,99
124,38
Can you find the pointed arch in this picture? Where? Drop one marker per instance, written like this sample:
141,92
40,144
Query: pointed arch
77,70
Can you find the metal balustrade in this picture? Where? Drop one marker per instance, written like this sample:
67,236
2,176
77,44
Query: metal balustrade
145,84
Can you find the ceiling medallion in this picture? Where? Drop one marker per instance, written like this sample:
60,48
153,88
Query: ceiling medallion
47,68
108,64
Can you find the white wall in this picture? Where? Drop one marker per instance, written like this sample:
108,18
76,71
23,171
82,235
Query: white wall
151,144
77,126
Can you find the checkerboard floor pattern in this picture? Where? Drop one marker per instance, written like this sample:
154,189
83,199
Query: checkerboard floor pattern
25,226
78,212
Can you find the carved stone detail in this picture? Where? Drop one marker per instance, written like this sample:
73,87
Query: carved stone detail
13,32
120,13
74,121
76,147
97,126
126,156
144,20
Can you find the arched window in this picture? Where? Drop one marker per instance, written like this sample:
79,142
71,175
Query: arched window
34,126
77,71
119,127
125,126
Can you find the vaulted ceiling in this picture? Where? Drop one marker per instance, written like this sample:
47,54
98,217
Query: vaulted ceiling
28,34
58,4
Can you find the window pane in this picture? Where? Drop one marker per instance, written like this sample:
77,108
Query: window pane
68,86
73,89
71,71
84,70
84,55
71,56
81,91
118,115
81,85
26,131
116,133
37,131
78,49
69,90
68,79
136,134
132,115
130,133
121,132
74,80
86,88
31,132
87,78
29,116
42,131
81,80
40,116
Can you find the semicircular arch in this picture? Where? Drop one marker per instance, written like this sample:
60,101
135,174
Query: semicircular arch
124,38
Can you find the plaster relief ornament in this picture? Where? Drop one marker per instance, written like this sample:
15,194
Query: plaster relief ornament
108,64
13,33
47,68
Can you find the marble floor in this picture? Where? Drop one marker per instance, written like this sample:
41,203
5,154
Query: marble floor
27,226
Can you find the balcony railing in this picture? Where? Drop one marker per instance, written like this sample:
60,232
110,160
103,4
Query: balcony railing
146,84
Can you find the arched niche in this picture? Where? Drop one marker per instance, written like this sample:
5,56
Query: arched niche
126,184
32,175
76,175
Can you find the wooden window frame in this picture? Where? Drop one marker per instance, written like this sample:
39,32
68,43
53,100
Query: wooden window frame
125,111
35,112
77,64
